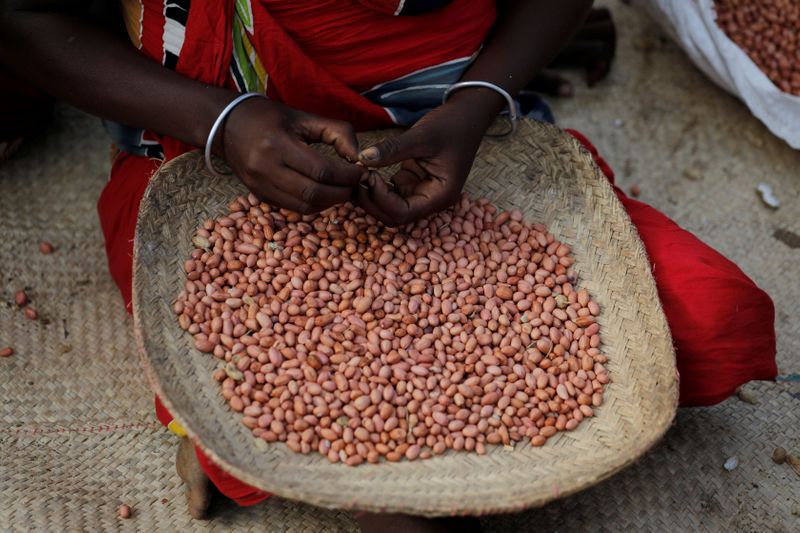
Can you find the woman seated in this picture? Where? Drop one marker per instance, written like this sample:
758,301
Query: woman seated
330,68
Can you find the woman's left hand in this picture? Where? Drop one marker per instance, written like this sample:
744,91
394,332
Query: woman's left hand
435,154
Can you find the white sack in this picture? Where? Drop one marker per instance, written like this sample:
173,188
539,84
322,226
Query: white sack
691,23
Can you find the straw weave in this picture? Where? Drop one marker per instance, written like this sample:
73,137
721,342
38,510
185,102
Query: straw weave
553,181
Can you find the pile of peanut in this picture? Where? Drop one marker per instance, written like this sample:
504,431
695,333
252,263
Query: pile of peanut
769,32
338,335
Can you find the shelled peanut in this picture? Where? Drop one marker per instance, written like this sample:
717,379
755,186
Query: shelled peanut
338,335
769,32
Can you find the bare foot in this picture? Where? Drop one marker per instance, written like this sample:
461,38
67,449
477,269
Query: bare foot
399,523
551,84
592,48
198,487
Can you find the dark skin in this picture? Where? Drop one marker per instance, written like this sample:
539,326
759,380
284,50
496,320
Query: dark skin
267,144
436,153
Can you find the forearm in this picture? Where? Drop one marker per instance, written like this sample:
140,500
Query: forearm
65,55
527,36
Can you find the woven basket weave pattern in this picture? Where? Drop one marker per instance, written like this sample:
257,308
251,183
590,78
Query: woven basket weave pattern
553,181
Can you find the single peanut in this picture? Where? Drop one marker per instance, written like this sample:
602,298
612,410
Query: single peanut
21,299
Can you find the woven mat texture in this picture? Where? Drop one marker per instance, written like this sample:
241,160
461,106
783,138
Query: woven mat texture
76,446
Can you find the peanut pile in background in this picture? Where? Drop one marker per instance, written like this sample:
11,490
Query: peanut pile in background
769,32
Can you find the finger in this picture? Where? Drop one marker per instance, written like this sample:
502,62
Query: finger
311,195
278,198
315,166
392,208
393,150
364,199
406,180
336,133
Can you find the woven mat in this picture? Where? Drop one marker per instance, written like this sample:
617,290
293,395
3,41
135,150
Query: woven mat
77,430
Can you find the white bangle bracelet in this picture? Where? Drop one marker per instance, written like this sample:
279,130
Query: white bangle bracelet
512,106
218,124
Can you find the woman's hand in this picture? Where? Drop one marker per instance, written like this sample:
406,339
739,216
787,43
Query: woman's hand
438,151
436,155
266,145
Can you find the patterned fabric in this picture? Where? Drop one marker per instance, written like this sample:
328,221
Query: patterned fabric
133,140
410,97
405,7
176,15
246,68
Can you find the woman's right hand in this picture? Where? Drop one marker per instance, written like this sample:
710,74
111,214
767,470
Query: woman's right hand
267,145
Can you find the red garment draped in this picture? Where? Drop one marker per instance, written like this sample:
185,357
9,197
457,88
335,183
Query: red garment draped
721,322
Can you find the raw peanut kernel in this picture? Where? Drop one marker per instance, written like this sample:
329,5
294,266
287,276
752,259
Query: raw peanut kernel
21,299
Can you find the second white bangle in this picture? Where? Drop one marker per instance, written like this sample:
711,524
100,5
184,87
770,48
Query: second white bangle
512,106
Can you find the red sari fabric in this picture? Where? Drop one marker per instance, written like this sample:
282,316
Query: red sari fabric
721,322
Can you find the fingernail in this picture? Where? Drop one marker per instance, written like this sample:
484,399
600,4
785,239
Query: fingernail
370,154
364,181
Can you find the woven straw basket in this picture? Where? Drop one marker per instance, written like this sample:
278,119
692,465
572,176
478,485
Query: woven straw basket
553,180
